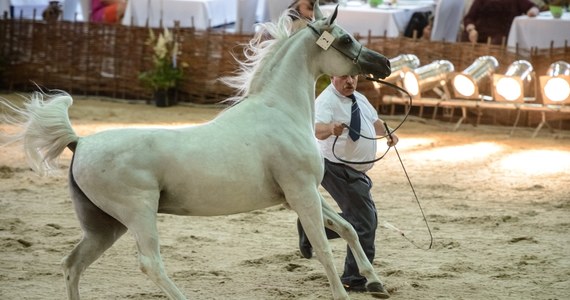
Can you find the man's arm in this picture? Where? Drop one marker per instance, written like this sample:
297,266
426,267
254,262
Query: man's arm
381,130
324,130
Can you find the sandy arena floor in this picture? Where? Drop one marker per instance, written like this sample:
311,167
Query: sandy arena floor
498,207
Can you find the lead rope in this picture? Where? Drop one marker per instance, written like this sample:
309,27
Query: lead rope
389,135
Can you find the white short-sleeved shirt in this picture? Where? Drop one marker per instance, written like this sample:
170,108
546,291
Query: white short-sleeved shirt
331,106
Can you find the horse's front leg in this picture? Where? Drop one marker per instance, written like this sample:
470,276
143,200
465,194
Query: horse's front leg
335,222
308,208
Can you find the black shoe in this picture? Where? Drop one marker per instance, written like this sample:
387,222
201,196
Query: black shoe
304,244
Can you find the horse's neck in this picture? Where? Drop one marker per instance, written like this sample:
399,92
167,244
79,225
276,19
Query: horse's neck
287,80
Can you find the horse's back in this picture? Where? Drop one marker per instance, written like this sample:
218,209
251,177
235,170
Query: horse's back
193,170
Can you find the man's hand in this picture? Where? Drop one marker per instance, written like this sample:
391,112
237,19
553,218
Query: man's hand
392,140
533,12
337,128
472,33
324,130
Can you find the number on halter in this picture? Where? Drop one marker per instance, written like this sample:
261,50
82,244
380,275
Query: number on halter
325,40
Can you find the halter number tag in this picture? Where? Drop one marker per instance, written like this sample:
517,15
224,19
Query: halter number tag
325,40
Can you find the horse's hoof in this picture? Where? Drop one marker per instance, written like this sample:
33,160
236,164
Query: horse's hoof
377,290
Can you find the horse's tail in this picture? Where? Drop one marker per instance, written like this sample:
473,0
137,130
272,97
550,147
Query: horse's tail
45,129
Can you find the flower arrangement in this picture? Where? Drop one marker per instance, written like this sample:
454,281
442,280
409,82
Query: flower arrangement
165,72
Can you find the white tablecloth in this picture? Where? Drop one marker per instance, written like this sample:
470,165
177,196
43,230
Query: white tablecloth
26,8
360,18
539,31
206,13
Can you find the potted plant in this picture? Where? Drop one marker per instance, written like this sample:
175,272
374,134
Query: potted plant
165,72
557,7
375,3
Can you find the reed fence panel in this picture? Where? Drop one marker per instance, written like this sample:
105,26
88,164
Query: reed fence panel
101,59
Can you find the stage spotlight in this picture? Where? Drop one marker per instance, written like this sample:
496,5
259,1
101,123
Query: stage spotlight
400,64
555,86
510,86
428,77
466,84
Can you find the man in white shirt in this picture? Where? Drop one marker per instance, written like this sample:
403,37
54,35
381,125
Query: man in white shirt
338,106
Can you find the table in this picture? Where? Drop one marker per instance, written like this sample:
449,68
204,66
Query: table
26,8
359,18
206,13
539,31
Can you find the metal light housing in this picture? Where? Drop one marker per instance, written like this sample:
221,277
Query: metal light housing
555,86
466,84
427,77
510,86
400,64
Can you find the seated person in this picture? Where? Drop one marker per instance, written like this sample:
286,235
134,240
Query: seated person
303,13
107,11
491,19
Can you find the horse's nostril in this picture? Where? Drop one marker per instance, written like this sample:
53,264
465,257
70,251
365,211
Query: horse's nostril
387,62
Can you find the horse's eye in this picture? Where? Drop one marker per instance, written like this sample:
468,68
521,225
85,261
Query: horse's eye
347,40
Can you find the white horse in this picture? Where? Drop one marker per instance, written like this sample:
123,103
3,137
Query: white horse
258,153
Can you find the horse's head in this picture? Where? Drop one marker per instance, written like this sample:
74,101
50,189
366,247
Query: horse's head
331,37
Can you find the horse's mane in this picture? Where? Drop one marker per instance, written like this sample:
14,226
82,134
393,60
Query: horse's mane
266,39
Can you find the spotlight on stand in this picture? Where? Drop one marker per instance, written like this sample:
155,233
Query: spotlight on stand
466,84
400,64
510,86
428,77
555,86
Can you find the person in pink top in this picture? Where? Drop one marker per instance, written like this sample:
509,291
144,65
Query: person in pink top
107,11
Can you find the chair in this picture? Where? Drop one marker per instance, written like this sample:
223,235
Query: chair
85,9
5,8
447,20
246,16
79,7
417,23
276,8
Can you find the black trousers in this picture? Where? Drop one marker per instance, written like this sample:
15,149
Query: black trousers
351,191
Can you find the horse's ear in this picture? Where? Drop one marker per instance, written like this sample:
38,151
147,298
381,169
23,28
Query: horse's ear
332,17
317,13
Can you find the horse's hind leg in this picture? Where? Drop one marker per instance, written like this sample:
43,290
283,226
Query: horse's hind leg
100,231
140,219
146,234
335,222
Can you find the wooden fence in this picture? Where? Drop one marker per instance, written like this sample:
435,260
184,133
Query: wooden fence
101,59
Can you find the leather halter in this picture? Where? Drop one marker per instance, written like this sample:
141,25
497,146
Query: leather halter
353,54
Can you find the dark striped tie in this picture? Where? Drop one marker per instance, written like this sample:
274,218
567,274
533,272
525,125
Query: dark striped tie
354,131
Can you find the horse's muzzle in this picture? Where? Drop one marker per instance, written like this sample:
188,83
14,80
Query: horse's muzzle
374,64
